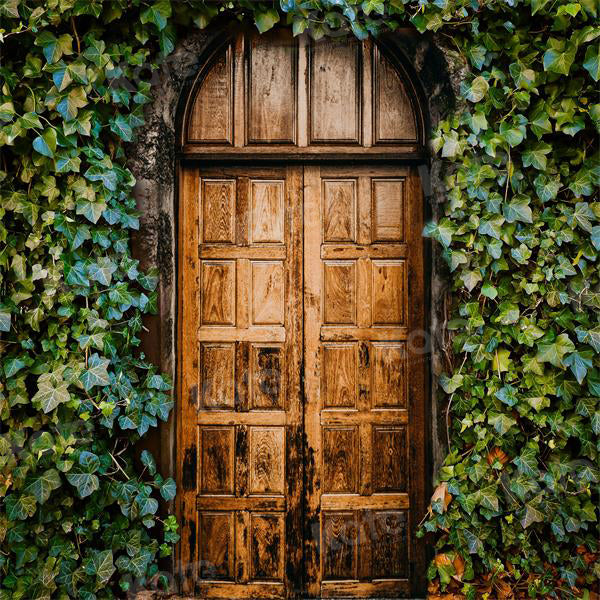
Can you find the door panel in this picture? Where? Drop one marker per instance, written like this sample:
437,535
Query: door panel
242,425
301,414
358,396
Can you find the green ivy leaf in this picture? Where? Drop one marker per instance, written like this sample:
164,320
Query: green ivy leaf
103,566
265,20
560,57
52,391
96,372
477,90
518,209
157,14
592,61
41,486
45,144
19,507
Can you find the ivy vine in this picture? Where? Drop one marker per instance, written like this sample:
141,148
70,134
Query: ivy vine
516,508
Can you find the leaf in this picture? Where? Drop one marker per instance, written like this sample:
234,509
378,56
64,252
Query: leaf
265,20
92,211
5,318
102,271
501,422
507,395
488,497
148,462
19,507
120,125
45,144
527,463
42,485
537,5
477,90
559,60
12,366
103,565
96,373
579,362
157,14
168,489
70,104
535,156
531,514
85,483
553,352
52,391
148,506
592,61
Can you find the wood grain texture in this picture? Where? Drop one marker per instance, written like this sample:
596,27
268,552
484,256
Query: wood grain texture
211,116
217,455
267,460
277,93
339,292
245,470
218,211
272,65
357,352
267,212
268,377
335,93
268,293
388,210
394,116
389,376
340,459
339,375
266,546
218,292
339,210
217,545
390,468
340,544
217,376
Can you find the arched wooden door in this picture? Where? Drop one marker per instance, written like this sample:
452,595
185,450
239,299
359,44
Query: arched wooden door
301,439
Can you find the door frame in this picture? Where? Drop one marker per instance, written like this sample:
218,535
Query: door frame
417,160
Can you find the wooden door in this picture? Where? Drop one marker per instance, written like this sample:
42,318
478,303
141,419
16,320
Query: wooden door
364,381
240,435
301,437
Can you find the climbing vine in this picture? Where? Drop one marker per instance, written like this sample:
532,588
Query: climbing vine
516,509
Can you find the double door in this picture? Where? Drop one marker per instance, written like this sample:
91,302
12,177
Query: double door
301,424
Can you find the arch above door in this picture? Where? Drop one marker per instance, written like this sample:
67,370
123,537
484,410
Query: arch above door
273,93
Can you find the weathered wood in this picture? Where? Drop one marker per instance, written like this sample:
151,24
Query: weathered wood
273,92
272,64
301,394
357,418
187,406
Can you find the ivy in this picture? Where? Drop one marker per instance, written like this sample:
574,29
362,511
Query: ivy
517,503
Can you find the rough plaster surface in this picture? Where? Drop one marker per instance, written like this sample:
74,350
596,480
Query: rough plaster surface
153,162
